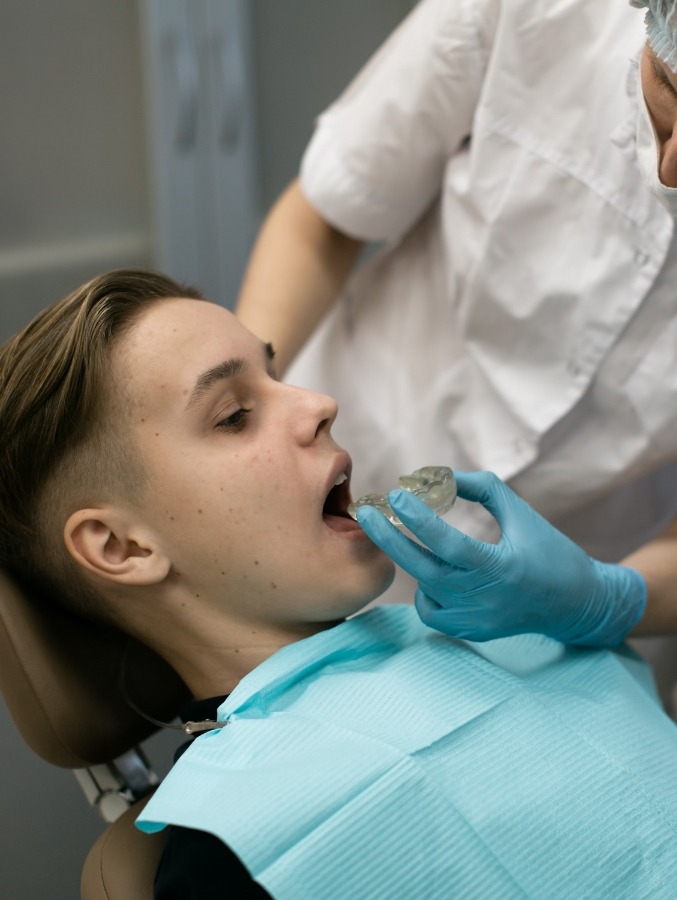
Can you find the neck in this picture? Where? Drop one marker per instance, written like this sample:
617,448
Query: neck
212,642
210,671
212,653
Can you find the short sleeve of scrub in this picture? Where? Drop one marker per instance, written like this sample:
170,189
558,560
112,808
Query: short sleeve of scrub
378,155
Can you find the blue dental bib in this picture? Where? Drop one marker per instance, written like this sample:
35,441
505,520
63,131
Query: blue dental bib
380,759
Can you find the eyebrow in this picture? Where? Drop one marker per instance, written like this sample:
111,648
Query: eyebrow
229,368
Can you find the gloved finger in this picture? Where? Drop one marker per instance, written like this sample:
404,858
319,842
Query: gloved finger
457,623
470,622
415,559
493,494
445,541
427,608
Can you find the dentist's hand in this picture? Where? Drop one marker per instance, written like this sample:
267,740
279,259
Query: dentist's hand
534,580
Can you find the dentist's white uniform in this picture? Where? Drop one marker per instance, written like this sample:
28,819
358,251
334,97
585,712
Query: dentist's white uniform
522,316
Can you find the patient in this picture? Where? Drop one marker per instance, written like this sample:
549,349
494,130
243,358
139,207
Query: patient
156,474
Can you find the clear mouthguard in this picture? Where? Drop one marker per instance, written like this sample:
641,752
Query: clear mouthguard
435,485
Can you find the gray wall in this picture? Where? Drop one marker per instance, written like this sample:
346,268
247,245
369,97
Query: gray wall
74,201
307,51
73,196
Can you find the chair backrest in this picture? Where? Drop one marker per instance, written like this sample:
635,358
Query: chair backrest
122,863
60,677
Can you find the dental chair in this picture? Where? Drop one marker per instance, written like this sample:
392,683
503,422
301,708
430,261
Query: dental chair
61,679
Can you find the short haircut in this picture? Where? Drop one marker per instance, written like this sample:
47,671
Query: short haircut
64,444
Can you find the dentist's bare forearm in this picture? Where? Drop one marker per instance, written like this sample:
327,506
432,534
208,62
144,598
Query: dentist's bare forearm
657,561
297,269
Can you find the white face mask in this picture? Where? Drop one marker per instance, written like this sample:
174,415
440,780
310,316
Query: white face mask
648,156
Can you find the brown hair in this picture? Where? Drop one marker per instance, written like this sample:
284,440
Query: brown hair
62,435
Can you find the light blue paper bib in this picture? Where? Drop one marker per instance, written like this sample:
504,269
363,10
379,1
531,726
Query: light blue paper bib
380,759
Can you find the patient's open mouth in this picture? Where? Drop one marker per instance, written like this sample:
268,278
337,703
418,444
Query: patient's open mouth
335,509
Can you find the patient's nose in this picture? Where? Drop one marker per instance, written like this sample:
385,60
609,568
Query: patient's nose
315,413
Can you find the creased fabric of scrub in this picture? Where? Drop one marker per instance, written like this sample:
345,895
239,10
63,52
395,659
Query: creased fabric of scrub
394,762
521,316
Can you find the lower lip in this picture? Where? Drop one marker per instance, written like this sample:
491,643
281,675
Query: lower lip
341,523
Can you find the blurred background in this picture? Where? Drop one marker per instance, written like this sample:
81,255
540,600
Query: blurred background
144,133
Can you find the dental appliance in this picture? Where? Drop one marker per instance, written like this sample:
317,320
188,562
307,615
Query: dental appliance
435,485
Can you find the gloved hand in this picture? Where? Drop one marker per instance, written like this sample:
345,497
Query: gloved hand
534,580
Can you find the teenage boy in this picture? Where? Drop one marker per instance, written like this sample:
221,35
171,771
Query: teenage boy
155,474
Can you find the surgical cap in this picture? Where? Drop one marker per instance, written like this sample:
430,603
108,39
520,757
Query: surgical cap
661,28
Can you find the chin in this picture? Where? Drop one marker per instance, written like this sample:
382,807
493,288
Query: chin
380,581
387,578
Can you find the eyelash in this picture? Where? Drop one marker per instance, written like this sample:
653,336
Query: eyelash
660,80
237,421
234,422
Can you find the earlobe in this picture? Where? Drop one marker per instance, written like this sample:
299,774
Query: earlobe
668,162
105,543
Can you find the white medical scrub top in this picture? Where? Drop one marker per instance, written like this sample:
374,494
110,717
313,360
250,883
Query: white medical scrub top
521,316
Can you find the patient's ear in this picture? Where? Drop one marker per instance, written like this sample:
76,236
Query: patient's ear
109,543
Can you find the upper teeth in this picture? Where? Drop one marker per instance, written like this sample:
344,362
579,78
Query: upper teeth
341,478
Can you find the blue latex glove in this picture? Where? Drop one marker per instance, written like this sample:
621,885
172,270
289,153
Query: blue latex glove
534,580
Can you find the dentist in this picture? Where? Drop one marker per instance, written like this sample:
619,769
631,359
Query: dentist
535,579
517,165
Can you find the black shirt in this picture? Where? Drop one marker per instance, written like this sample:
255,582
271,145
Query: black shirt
196,865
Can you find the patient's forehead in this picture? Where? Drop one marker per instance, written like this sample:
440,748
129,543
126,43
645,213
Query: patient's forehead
181,319
171,343
176,323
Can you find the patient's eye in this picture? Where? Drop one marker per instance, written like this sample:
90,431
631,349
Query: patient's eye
235,422
661,78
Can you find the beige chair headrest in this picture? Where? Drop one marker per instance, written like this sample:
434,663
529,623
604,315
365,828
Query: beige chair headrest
59,675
